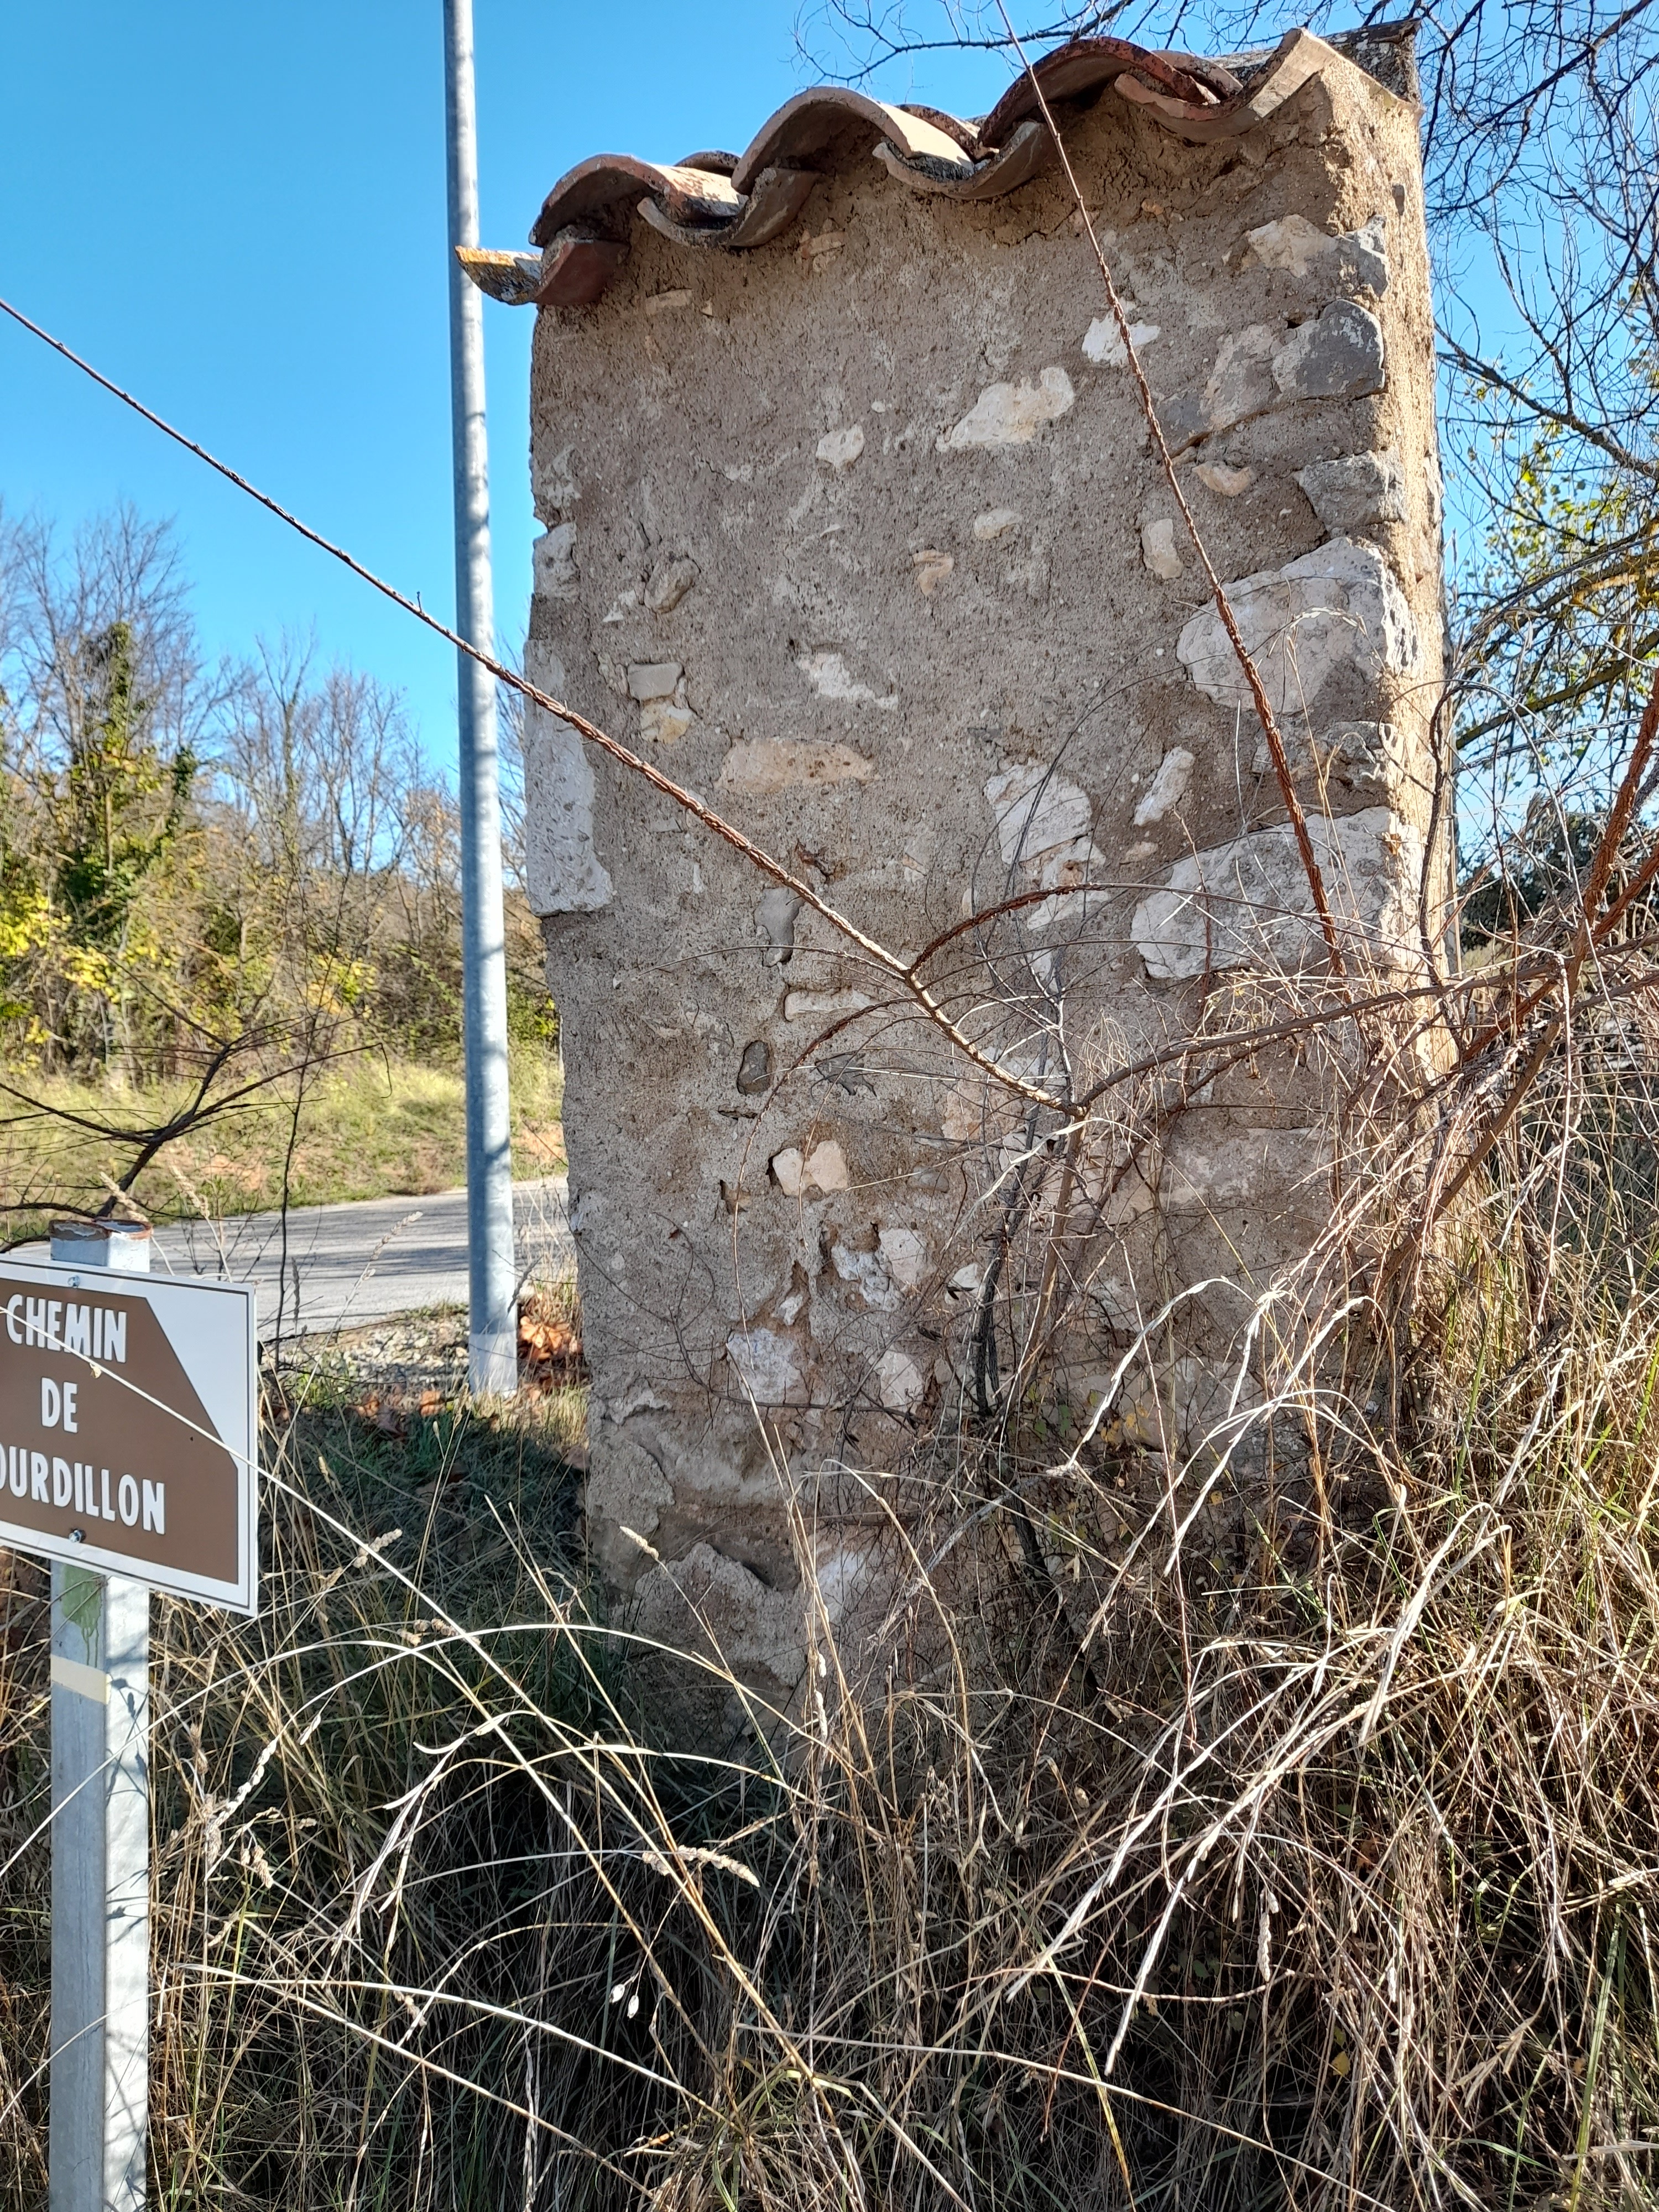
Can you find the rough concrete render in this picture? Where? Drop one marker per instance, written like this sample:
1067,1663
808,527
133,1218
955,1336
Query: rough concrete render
852,526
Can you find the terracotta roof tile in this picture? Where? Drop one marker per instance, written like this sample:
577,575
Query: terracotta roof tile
732,203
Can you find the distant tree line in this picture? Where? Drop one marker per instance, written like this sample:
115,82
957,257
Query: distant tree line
238,867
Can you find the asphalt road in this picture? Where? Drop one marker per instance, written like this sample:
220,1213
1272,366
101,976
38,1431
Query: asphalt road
344,1265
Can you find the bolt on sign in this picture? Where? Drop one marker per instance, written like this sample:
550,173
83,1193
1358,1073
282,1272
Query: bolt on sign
128,1427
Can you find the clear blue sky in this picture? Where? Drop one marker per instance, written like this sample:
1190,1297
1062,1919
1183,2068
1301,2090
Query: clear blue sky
239,213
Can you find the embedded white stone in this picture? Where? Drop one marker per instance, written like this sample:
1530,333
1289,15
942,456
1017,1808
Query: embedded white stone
1341,603
1167,788
653,679
562,870
664,303
1367,756
554,483
830,678
824,1168
839,449
1239,386
931,567
670,582
1293,243
764,766
905,1251
1038,812
1248,903
789,1170
768,1365
774,921
1220,478
1338,355
1356,489
1366,253
1158,549
1103,342
664,721
1043,827
900,1382
1011,414
553,557
994,523
867,1273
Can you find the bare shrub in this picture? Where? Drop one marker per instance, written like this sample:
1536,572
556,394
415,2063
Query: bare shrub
1243,1802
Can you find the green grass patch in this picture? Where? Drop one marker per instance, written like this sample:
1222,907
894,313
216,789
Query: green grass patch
367,1128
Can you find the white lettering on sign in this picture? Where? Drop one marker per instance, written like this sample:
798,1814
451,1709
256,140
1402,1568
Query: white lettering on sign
169,1402
95,1332
59,1402
54,1481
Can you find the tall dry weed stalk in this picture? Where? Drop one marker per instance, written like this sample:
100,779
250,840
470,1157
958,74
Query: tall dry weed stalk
1252,1809
1240,1797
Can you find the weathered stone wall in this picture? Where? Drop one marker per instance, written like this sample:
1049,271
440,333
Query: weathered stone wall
860,535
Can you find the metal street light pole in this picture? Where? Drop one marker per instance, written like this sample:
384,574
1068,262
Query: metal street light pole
493,1328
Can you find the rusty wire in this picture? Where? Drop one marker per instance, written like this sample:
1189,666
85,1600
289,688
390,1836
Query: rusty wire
1218,589
902,970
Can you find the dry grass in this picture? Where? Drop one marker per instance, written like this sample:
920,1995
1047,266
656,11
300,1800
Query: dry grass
1229,1800
1311,1861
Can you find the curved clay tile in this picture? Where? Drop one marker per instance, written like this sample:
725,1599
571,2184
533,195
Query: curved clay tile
829,116
594,187
1014,163
1297,57
735,202
1082,66
966,135
776,198
514,279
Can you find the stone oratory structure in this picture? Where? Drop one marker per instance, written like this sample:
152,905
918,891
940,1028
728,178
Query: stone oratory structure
853,528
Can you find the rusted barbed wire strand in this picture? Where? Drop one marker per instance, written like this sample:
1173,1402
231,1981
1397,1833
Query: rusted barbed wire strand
757,855
1592,933
1589,934
1218,589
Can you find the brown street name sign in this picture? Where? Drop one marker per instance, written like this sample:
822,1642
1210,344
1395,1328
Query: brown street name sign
129,1427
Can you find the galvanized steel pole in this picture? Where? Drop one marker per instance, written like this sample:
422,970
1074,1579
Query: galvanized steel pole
99,2095
493,1329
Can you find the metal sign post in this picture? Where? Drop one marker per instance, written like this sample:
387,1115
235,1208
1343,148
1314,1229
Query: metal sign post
492,1282
154,1383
